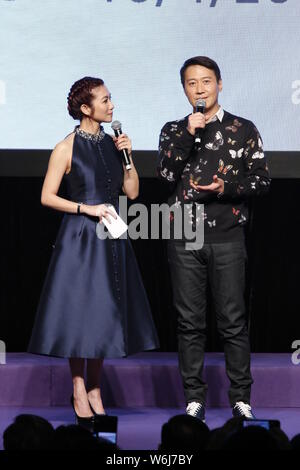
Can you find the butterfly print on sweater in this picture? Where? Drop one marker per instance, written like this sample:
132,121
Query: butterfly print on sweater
216,144
234,128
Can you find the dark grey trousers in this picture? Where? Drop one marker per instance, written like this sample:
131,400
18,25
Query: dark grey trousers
222,265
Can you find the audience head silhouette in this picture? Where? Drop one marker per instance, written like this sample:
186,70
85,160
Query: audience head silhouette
184,433
28,432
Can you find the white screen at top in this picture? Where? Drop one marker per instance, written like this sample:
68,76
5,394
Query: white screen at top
137,47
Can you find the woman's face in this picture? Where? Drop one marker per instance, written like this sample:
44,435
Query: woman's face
101,109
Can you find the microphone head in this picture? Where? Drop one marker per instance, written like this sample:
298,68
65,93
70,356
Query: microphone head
200,104
116,125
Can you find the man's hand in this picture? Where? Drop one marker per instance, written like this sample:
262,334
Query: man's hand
217,186
196,121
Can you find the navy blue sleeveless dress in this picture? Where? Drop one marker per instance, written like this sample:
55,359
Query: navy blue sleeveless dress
93,303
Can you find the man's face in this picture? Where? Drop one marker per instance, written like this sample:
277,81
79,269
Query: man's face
201,82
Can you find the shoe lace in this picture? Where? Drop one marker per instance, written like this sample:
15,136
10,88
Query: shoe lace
244,408
194,407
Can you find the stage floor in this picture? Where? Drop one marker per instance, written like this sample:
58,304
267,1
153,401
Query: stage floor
144,391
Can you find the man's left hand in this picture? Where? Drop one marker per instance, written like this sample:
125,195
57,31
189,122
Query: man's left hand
217,186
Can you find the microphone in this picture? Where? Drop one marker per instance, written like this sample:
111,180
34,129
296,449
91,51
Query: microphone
117,128
200,108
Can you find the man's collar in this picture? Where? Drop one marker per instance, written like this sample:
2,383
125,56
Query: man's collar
219,115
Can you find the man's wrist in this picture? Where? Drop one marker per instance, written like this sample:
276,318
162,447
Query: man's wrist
221,188
191,131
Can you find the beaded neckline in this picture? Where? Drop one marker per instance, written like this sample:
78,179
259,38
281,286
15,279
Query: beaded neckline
93,137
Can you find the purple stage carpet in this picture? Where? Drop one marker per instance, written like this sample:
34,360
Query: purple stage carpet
145,390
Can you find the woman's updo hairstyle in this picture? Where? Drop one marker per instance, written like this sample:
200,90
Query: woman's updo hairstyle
81,93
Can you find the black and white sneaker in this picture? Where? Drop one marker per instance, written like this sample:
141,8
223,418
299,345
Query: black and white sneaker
196,409
242,410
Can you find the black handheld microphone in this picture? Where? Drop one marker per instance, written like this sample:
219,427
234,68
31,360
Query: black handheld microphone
199,108
117,128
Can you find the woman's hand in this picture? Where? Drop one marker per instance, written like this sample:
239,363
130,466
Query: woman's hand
131,179
123,142
100,210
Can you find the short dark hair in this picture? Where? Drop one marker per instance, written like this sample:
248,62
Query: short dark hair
204,62
28,432
184,432
81,93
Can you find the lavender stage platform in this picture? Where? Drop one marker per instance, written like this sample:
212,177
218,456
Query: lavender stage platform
145,391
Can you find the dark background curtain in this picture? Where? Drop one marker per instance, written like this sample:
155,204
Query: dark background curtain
28,232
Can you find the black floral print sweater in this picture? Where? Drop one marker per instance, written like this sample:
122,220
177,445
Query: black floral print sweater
232,149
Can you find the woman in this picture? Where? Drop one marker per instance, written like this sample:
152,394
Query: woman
93,304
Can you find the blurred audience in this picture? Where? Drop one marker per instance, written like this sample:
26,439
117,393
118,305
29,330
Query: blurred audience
75,437
28,432
295,443
184,433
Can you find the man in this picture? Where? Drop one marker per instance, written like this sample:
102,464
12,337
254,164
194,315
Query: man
222,172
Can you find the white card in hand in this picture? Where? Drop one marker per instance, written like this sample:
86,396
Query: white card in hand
116,227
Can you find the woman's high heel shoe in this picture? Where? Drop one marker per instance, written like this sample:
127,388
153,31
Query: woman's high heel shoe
94,412
87,423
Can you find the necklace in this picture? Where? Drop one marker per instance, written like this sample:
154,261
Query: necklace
88,136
